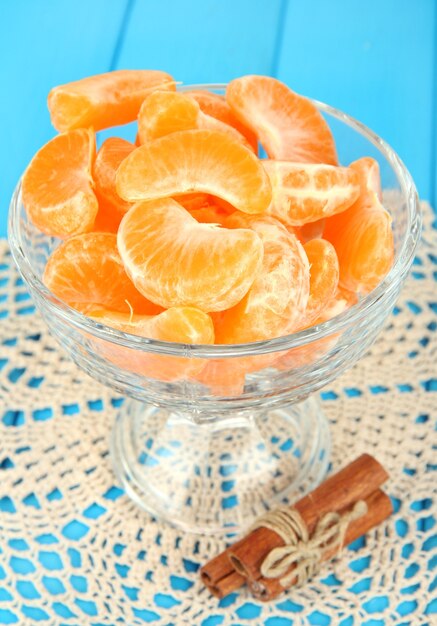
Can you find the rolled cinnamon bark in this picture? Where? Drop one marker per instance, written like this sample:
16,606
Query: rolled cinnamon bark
216,568
357,481
220,577
227,584
379,507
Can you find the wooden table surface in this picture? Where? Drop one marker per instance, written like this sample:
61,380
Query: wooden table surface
375,60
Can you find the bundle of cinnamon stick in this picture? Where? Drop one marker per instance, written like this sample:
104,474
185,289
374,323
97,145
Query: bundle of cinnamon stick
242,563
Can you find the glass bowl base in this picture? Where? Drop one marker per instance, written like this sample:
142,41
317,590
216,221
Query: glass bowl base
217,476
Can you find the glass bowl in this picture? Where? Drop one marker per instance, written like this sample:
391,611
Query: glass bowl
210,436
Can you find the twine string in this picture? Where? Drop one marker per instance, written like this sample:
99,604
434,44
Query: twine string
300,550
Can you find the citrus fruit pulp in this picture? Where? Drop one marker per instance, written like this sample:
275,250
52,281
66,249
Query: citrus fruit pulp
216,106
57,186
276,302
104,100
324,275
166,112
184,325
111,207
367,172
87,268
362,235
195,161
365,248
289,126
176,261
305,193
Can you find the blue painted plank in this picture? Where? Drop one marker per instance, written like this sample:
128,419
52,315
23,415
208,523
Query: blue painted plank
43,44
202,40
374,60
433,173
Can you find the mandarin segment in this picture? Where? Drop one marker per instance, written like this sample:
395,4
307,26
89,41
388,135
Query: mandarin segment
204,208
196,161
186,325
210,215
305,193
324,276
111,206
206,122
369,180
216,106
104,100
342,300
276,302
57,187
164,112
365,248
87,268
308,354
227,377
176,261
223,377
362,235
194,201
289,126
312,230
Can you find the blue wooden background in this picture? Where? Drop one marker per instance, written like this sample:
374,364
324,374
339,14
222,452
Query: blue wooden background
375,60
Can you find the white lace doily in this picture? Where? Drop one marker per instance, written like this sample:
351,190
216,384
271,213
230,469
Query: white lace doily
75,551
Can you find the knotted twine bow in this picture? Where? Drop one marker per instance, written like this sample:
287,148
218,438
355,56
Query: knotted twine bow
301,550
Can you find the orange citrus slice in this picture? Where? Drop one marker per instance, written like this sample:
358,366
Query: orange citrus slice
367,171
210,215
369,178
165,112
175,261
87,268
342,300
203,207
311,353
289,126
224,377
194,201
324,276
365,248
311,230
57,185
216,106
104,100
276,302
305,193
111,206
185,325
362,235
196,161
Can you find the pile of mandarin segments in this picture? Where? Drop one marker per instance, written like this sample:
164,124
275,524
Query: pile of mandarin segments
188,235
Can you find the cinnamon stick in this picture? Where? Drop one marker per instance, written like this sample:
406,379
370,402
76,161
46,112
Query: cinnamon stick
220,577
226,585
357,481
379,508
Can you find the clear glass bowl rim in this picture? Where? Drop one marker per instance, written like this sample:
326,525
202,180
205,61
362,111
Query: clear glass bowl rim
401,265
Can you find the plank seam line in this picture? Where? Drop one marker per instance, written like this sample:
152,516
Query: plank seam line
282,18
433,177
121,34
